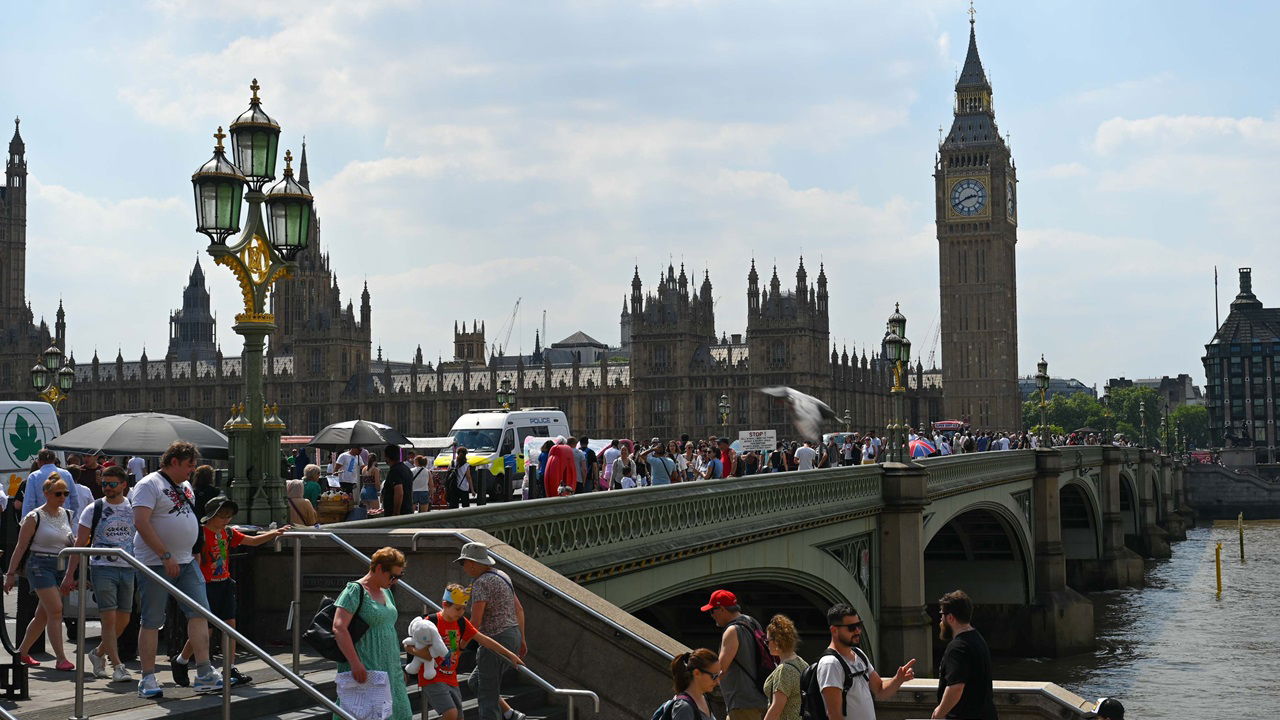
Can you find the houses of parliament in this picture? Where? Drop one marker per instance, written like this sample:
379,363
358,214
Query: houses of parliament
664,376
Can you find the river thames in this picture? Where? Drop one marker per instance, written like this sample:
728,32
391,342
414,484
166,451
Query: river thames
1174,649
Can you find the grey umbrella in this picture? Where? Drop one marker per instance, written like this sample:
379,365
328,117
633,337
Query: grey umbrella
144,433
357,433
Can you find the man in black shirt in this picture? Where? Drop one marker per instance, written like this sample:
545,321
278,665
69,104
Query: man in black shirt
397,489
964,676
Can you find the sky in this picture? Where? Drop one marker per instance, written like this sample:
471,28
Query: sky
466,154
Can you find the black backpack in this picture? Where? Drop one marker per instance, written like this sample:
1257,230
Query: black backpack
812,706
667,709
764,662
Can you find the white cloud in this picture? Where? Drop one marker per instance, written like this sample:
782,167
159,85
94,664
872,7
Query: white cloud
1166,131
1065,170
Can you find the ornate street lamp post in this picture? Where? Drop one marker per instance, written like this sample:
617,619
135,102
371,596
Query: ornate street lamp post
506,395
848,420
724,415
898,350
1142,419
1042,384
262,254
1108,435
52,376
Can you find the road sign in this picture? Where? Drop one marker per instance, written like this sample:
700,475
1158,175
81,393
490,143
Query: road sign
758,440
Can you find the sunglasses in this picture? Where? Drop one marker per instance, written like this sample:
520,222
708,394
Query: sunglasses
714,676
396,576
111,483
851,626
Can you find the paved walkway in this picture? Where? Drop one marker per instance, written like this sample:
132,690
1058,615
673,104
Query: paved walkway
53,692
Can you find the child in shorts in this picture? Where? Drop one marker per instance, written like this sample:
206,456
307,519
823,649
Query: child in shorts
215,565
442,692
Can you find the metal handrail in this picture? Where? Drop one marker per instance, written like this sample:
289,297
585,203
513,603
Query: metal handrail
547,586
186,600
297,535
6,715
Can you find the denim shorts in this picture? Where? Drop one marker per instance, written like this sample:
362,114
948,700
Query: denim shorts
44,571
368,492
442,697
155,596
113,587
421,497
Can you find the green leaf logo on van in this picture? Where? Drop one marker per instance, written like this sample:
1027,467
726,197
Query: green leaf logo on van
24,439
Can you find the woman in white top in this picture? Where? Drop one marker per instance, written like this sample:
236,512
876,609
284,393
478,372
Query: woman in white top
623,473
45,532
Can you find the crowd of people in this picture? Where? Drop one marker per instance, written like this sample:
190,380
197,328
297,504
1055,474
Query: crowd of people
179,531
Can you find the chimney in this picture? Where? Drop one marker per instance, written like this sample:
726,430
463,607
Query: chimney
1246,300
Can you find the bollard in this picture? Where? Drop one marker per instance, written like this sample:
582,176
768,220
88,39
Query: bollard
1240,528
1217,561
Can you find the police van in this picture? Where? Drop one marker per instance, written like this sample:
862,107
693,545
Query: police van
491,435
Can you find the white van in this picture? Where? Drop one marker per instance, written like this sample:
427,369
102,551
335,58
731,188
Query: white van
489,435
25,427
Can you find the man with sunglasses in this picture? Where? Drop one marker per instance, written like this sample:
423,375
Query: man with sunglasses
964,676
108,523
849,683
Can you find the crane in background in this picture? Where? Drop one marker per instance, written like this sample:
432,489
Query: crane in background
505,331
933,344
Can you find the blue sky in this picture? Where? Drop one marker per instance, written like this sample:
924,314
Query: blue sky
466,154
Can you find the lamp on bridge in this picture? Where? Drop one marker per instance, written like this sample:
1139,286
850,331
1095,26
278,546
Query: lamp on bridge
1108,435
897,351
261,255
724,414
1042,384
52,376
1142,428
506,395
848,419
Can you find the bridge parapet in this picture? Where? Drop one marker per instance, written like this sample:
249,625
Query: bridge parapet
950,474
589,535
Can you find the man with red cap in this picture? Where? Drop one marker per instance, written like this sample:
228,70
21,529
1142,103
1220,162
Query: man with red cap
740,661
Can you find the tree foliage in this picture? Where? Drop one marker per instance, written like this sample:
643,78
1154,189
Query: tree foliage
1081,410
1194,420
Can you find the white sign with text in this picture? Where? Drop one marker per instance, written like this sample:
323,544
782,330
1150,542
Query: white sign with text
758,440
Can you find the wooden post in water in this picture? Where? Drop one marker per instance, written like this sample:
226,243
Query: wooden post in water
1240,528
1217,562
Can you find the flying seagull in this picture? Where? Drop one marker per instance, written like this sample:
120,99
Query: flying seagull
807,411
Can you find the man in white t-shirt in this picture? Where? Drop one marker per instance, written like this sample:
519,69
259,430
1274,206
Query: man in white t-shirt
805,455
167,528
137,468
347,468
611,453
850,685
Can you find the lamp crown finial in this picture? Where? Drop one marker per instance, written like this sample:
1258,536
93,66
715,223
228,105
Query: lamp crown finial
288,163
255,88
219,136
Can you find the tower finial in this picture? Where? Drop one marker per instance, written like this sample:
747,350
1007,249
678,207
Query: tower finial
972,13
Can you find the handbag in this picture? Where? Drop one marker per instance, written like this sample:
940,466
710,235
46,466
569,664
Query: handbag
319,636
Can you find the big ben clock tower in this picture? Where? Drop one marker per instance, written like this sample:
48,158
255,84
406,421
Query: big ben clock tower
976,200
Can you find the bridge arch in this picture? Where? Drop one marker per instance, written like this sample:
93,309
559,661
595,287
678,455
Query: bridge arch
983,548
1080,516
1130,519
672,600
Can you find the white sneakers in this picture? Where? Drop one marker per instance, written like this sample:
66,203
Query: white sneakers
208,683
99,664
121,674
149,687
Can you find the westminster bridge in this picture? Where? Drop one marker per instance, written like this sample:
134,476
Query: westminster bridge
617,577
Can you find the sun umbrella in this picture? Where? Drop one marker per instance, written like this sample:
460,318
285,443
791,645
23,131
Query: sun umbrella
357,433
922,448
141,434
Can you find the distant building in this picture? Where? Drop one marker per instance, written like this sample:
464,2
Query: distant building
1240,363
1177,392
1057,386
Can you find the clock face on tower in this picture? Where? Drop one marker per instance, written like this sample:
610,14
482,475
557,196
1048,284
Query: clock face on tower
968,197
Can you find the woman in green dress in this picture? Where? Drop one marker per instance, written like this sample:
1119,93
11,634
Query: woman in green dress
379,649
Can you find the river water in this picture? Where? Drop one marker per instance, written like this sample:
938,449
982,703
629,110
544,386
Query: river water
1174,649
